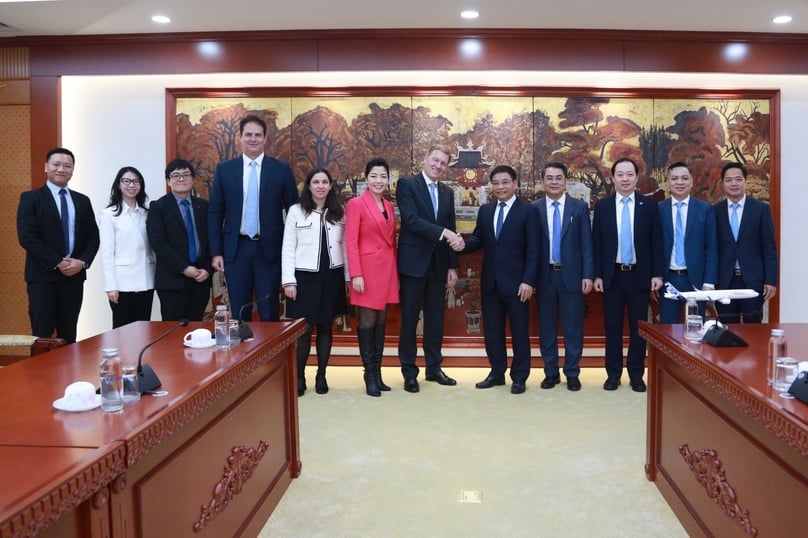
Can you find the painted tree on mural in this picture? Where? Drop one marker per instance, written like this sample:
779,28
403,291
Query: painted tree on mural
321,140
589,141
385,133
655,144
748,132
698,135
546,142
427,130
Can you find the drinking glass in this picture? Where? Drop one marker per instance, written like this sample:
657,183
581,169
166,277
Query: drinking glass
131,388
785,371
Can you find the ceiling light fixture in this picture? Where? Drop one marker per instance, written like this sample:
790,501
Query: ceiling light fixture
161,19
782,19
469,14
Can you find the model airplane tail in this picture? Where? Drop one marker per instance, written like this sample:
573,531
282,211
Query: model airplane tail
721,296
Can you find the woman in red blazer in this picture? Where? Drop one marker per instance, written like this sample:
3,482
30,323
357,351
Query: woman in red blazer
370,241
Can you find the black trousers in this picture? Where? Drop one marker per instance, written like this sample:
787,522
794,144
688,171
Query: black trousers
188,302
55,306
132,306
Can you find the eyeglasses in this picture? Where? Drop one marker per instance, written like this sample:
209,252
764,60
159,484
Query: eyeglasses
180,175
128,181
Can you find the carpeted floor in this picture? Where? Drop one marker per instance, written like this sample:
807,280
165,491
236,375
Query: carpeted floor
545,463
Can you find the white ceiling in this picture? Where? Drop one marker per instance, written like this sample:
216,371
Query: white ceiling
69,17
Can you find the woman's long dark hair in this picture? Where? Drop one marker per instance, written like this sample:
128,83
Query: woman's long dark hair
335,209
116,196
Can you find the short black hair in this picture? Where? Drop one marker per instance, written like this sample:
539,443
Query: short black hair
678,164
60,151
373,163
625,160
555,164
179,164
502,168
730,166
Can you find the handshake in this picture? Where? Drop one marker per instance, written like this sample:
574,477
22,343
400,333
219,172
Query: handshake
454,239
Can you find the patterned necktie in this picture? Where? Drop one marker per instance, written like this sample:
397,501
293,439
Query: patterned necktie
556,233
626,242
251,212
189,229
433,194
733,220
65,218
500,219
679,237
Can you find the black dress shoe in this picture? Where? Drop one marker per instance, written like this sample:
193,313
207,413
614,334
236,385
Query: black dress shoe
573,384
490,381
440,377
611,383
638,385
517,387
550,381
411,384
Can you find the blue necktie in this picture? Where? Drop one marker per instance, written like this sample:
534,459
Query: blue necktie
251,212
500,219
679,237
433,194
626,242
65,218
733,224
189,228
733,220
556,233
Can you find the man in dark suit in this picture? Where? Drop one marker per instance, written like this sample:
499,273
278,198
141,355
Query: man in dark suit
178,232
689,242
627,242
427,265
566,271
508,230
247,203
56,227
747,252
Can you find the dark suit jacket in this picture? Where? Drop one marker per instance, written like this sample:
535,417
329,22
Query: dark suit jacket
577,261
514,258
167,235
277,193
647,236
701,244
419,236
39,230
755,250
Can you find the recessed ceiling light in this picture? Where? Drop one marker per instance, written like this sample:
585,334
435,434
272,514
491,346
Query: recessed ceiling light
782,19
470,14
161,19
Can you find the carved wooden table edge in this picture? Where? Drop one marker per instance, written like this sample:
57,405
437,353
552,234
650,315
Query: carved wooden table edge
88,483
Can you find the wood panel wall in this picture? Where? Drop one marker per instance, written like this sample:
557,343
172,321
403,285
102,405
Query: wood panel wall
30,130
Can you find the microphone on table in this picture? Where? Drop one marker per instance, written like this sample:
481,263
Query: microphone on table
147,379
244,332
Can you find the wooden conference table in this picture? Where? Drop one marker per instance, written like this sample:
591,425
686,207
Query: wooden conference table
728,453
211,458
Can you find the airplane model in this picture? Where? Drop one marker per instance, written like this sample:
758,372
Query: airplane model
721,296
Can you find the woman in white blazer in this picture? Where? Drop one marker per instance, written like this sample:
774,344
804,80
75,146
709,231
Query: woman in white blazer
126,255
313,270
